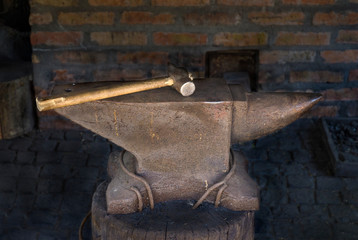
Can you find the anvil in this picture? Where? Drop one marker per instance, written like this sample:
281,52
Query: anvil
180,146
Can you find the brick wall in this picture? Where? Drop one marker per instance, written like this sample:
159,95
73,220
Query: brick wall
305,45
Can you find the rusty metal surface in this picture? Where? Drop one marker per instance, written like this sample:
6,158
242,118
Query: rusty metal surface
160,125
208,90
241,192
258,114
181,146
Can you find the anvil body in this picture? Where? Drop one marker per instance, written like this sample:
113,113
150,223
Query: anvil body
181,145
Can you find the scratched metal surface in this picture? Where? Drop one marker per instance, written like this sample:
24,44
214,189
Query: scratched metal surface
182,144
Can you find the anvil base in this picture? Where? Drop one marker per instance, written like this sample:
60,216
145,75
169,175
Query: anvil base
170,220
240,193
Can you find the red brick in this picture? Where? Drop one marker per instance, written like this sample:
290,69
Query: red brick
159,58
346,36
302,38
270,77
41,92
192,59
322,111
81,18
141,17
56,38
40,18
80,57
308,2
64,76
316,76
180,3
55,3
212,18
282,57
259,3
283,18
335,19
347,56
240,39
353,75
179,39
119,75
119,38
344,94
121,3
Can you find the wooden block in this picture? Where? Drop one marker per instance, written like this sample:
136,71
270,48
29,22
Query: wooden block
16,104
170,220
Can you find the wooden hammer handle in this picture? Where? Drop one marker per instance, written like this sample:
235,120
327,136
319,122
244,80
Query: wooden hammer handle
123,88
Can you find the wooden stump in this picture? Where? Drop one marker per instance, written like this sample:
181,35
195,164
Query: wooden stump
170,220
16,101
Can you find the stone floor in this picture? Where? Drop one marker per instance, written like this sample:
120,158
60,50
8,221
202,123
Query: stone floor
47,179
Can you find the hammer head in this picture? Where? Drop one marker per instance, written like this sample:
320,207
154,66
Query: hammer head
182,80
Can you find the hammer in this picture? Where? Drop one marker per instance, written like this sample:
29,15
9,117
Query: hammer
178,78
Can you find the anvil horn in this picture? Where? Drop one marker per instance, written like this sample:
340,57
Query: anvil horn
258,114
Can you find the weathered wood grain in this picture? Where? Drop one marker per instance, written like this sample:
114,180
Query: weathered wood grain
170,220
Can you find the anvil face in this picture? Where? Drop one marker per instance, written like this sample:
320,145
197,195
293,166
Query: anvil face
181,145
160,125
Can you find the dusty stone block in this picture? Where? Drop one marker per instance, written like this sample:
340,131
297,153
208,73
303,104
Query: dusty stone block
42,219
7,156
27,185
328,197
330,183
299,181
49,186
301,196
